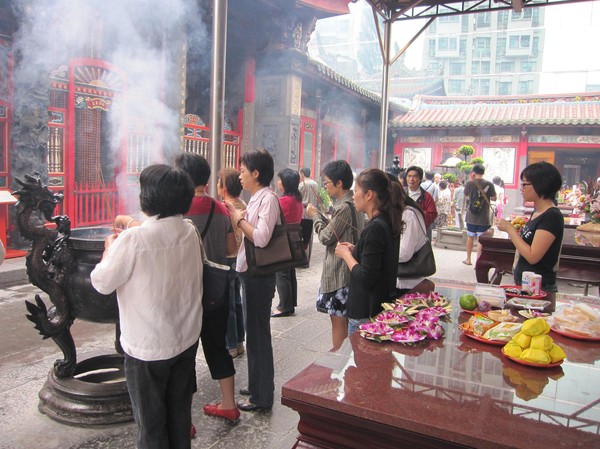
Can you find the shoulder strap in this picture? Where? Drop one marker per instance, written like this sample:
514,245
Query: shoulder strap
482,193
210,215
354,220
202,251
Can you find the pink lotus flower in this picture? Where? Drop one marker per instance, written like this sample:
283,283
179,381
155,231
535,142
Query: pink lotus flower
390,317
376,328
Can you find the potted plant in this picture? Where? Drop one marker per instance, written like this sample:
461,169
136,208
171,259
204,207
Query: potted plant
466,151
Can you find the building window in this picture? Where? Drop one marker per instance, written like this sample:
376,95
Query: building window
447,43
475,67
527,66
432,48
485,67
484,87
500,47
534,48
507,67
457,68
463,48
502,20
504,88
456,86
484,19
525,87
535,18
522,41
464,25
482,47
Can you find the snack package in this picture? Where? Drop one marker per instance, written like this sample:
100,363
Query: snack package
503,331
479,324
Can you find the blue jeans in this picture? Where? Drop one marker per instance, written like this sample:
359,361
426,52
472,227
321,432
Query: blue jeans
161,397
235,323
354,324
258,294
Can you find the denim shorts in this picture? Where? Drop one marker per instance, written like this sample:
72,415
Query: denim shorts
476,230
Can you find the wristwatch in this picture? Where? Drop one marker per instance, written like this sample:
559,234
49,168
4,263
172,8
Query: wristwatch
239,223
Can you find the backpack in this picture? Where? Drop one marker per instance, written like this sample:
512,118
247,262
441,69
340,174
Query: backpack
477,202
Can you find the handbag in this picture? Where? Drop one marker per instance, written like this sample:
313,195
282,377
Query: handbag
421,264
285,250
215,278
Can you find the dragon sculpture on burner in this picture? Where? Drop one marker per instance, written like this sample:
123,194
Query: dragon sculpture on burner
53,268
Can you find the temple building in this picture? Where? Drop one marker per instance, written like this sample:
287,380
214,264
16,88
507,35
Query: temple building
508,132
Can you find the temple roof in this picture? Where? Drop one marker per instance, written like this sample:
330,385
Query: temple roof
452,112
326,72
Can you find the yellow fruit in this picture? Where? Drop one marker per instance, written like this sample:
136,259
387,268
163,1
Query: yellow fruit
512,349
535,356
543,342
468,302
522,340
556,354
535,326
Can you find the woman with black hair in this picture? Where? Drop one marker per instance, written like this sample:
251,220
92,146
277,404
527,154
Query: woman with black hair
156,269
539,241
291,206
344,225
373,261
257,223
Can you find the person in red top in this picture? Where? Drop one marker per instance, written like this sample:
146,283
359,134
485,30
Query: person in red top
414,175
291,205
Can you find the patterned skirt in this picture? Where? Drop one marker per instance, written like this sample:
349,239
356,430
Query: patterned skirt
333,303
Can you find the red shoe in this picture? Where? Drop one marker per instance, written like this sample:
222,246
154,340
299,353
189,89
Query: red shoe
232,414
193,432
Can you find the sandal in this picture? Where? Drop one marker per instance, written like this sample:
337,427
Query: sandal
467,263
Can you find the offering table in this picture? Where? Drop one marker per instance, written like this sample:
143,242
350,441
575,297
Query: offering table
579,259
449,393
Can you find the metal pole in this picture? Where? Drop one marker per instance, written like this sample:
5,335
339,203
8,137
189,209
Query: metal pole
217,89
387,39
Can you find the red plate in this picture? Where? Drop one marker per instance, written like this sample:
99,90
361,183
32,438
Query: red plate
481,339
533,365
574,335
542,294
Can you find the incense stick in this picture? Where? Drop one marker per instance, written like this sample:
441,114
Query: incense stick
322,205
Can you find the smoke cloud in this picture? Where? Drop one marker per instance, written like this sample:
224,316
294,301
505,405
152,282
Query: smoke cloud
145,41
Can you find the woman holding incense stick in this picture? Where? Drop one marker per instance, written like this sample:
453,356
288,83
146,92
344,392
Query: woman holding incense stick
345,225
373,260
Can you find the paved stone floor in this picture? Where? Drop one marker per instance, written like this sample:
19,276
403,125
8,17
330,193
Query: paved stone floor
25,360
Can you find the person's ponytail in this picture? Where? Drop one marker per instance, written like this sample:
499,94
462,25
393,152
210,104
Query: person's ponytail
396,206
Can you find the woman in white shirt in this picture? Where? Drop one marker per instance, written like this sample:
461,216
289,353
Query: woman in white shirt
156,269
412,239
257,223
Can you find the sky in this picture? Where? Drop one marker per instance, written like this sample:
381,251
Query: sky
571,58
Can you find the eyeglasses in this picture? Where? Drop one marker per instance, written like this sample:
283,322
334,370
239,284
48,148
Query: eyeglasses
525,184
324,184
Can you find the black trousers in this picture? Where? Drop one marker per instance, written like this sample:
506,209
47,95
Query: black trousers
161,397
214,344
